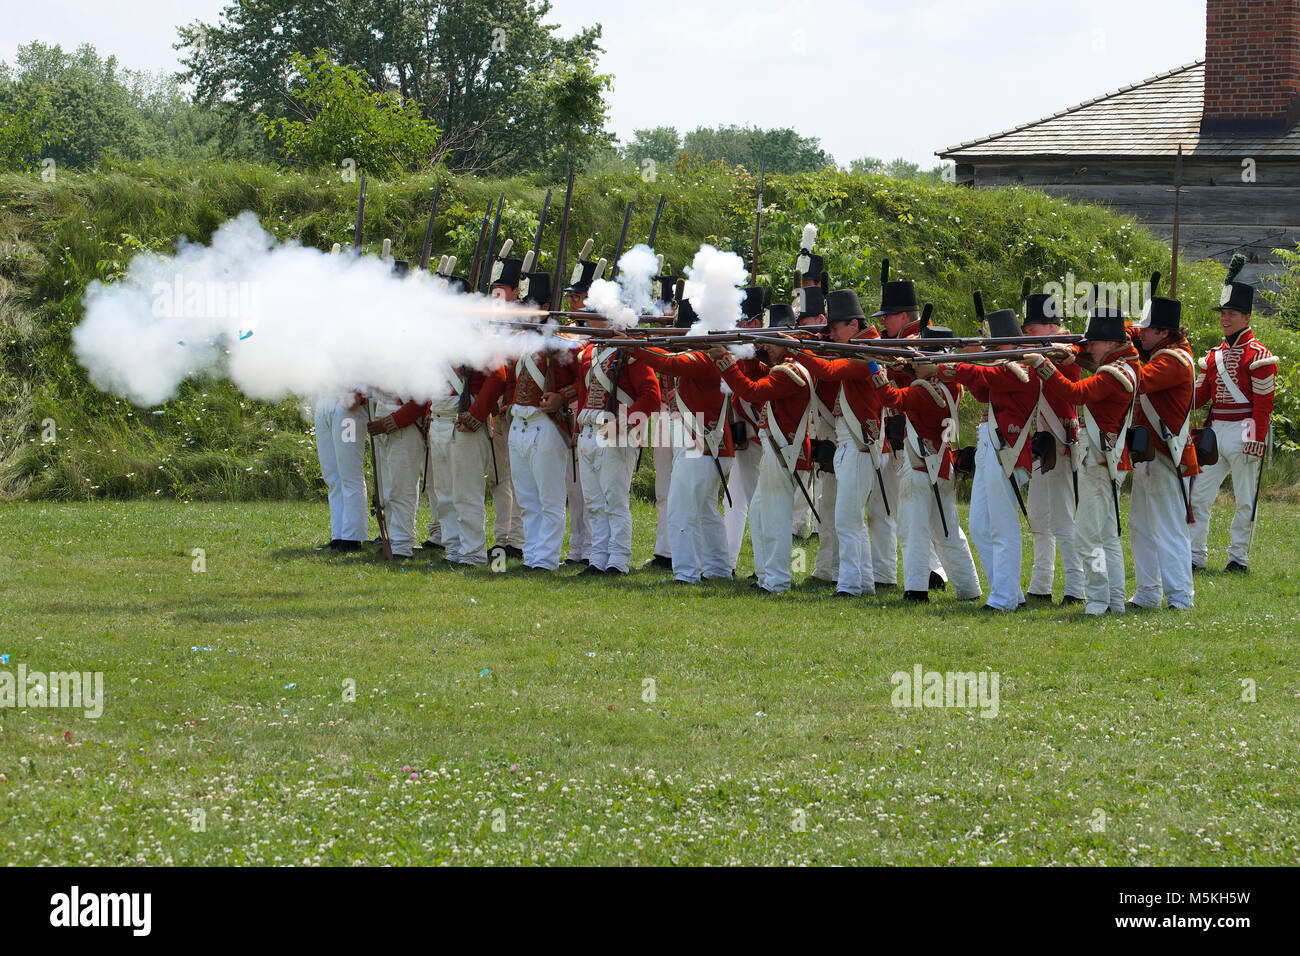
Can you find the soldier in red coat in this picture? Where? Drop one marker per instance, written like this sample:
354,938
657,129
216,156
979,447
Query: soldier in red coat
782,397
1159,511
927,496
1050,502
859,439
1003,459
617,396
1106,400
1237,382
538,387
702,459
745,427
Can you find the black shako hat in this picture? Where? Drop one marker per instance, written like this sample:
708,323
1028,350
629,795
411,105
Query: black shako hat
401,268
458,284
842,305
506,272
897,295
751,306
936,332
780,316
1043,309
685,316
584,274
1161,312
535,287
1236,295
810,301
1001,324
666,288
1106,325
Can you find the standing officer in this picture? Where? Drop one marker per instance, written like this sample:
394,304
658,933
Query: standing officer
1237,382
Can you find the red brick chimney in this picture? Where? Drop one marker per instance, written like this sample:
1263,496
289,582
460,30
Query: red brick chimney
1252,67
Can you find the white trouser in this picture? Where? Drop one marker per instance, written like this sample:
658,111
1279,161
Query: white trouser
664,462
507,529
1245,477
742,482
1097,539
854,479
579,526
995,525
401,461
341,445
457,462
606,471
1160,537
828,546
802,524
1050,503
539,461
883,525
696,531
770,522
922,531
437,507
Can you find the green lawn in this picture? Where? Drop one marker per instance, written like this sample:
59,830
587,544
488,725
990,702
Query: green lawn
520,702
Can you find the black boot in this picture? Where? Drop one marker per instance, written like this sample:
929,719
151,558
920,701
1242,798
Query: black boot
916,595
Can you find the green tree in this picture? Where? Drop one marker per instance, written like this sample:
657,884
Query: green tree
779,150
661,144
342,118
491,74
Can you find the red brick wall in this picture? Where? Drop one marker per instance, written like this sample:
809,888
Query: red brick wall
1252,58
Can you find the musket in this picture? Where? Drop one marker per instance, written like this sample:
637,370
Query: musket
654,226
758,225
377,501
537,237
361,213
1178,201
562,249
478,248
428,232
622,239
945,343
492,242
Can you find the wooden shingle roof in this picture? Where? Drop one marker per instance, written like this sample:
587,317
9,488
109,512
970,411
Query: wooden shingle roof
1150,118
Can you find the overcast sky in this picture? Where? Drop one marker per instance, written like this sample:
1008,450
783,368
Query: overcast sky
871,78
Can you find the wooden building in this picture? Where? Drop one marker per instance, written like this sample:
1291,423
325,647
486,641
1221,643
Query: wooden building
1234,114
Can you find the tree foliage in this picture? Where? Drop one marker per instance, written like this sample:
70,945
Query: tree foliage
343,118
77,108
507,93
779,150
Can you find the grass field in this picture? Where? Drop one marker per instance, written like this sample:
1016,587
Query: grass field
509,718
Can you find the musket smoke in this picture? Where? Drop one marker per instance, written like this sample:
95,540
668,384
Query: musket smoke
623,299
714,289
280,320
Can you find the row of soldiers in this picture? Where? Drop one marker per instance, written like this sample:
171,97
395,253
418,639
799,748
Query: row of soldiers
866,446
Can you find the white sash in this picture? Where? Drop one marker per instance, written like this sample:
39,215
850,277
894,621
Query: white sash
1114,453
527,363
933,463
1010,453
598,370
1228,381
876,445
711,439
775,439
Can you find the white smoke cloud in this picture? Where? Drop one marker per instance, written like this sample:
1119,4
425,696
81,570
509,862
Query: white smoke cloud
622,300
715,277
280,320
